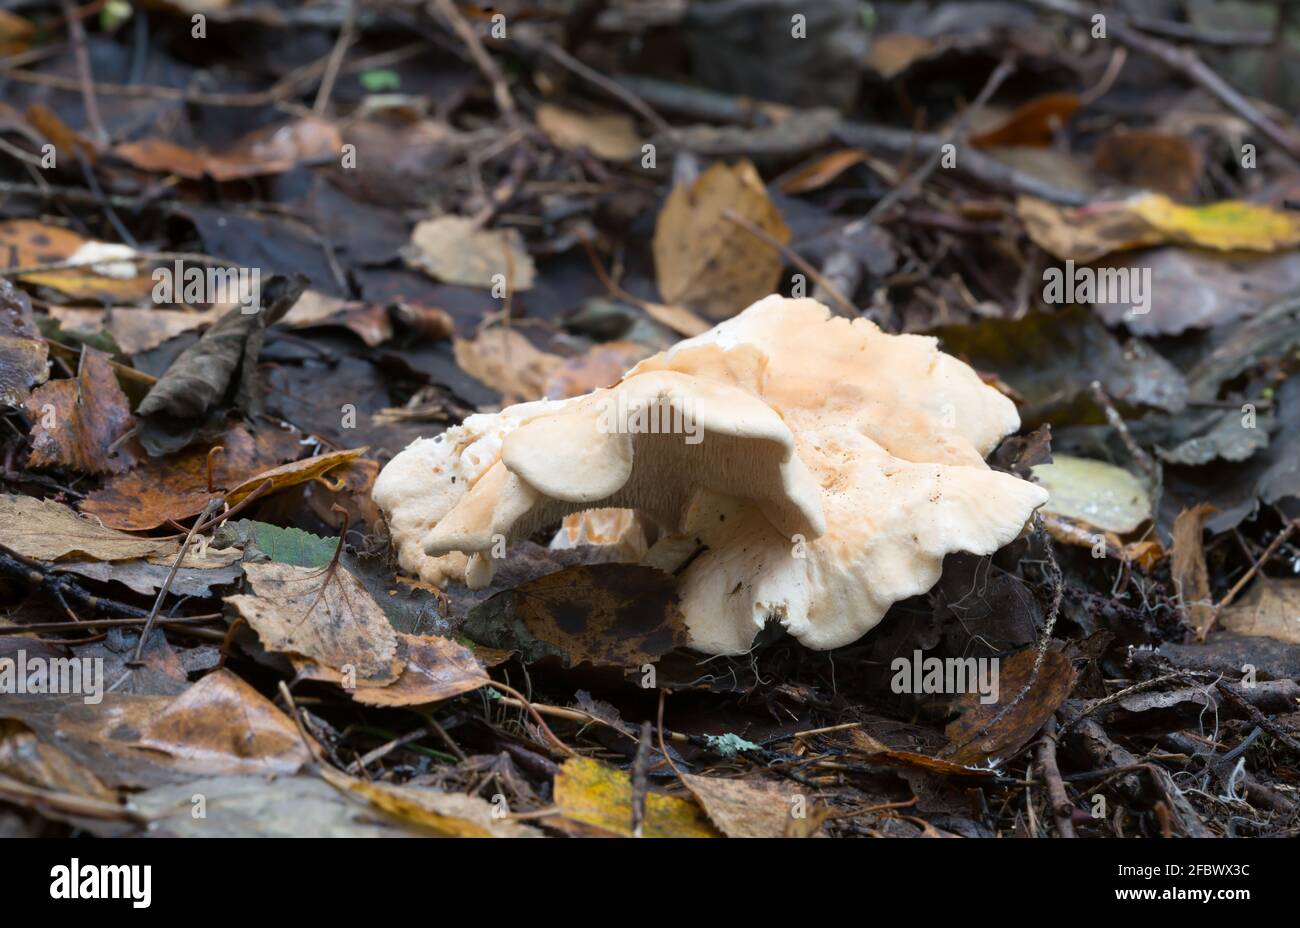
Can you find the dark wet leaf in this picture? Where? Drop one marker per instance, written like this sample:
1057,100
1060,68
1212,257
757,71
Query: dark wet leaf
617,615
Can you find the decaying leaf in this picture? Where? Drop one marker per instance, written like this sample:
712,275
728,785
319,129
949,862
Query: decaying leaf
1148,160
23,352
272,150
76,421
322,613
1224,226
451,815
176,486
1095,492
602,366
434,668
219,366
134,330
223,725
26,758
753,808
293,473
708,263
611,136
1033,124
29,243
1051,687
455,250
874,751
591,793
1084,233
617,615
507,361
251,806
48,531
1271,608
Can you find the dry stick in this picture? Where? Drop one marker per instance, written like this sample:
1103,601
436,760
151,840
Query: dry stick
487,66
167,583
336,59
1246,577
561,57
1258,717
641,780
1058,590
1121,427
108,623
913,181
1185,62
1056,794
790,255
86,79
281,89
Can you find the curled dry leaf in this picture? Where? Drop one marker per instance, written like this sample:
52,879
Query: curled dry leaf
455,250
23,352
323,613
593,794
293,473
76,421
176,486
708,263
48,531
202,376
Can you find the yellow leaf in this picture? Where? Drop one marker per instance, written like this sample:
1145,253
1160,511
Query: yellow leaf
452,815
295,472
590,792
1226,225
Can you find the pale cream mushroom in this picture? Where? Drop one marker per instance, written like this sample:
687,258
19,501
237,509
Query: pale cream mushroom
835,467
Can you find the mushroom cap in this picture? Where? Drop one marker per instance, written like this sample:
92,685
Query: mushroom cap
833,467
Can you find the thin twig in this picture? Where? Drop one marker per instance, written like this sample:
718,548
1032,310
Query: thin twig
86,78
1185,62
1246,577
790,255
336,59
505,102
211,507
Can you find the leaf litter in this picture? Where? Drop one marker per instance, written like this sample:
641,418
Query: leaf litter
525,233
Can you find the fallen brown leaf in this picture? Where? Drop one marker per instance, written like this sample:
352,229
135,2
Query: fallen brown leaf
508,362
27,242
321,613
48,531
76,421
1051,687
751,808
1034,124
708,263
176,486
455,250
